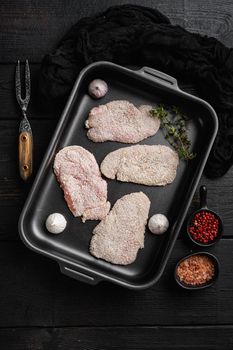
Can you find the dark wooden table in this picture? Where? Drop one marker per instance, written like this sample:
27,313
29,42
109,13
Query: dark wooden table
39,307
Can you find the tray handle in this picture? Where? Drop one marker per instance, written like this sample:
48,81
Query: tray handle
161,77
80,275
203,197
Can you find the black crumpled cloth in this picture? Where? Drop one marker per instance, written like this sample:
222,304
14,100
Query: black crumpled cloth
136,35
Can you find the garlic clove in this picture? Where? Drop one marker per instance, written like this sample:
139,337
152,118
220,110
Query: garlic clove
55,223
97,88
158,224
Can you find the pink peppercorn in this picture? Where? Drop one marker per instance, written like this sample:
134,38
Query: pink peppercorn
204,227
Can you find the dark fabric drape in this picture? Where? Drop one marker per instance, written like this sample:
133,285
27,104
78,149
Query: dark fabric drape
136,35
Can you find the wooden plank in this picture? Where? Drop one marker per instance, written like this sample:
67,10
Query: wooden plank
147,338
31,29
212,18
35,293
9,106
10,109
13,191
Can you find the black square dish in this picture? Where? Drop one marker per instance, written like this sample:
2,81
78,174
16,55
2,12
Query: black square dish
70,249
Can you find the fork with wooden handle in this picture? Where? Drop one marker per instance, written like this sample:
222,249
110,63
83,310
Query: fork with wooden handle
25,131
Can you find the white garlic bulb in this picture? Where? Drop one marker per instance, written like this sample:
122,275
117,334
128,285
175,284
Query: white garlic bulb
97,88
158,224
55,223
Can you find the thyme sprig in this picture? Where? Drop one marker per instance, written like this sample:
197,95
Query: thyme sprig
175,130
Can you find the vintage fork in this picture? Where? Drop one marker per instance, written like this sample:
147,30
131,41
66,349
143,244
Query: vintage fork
25,131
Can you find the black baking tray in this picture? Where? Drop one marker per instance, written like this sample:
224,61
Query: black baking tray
70,248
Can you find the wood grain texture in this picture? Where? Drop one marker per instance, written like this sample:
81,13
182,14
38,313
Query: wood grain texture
42,132
42,309
9,106
10,109
31,29
25,155
212,18
13,191
37,294
131,338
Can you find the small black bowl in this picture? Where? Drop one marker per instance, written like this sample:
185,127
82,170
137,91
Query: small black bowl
204,285
203,207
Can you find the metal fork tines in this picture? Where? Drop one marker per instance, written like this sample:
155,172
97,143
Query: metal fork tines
23,102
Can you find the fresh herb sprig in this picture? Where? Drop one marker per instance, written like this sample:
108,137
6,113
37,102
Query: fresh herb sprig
175,130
